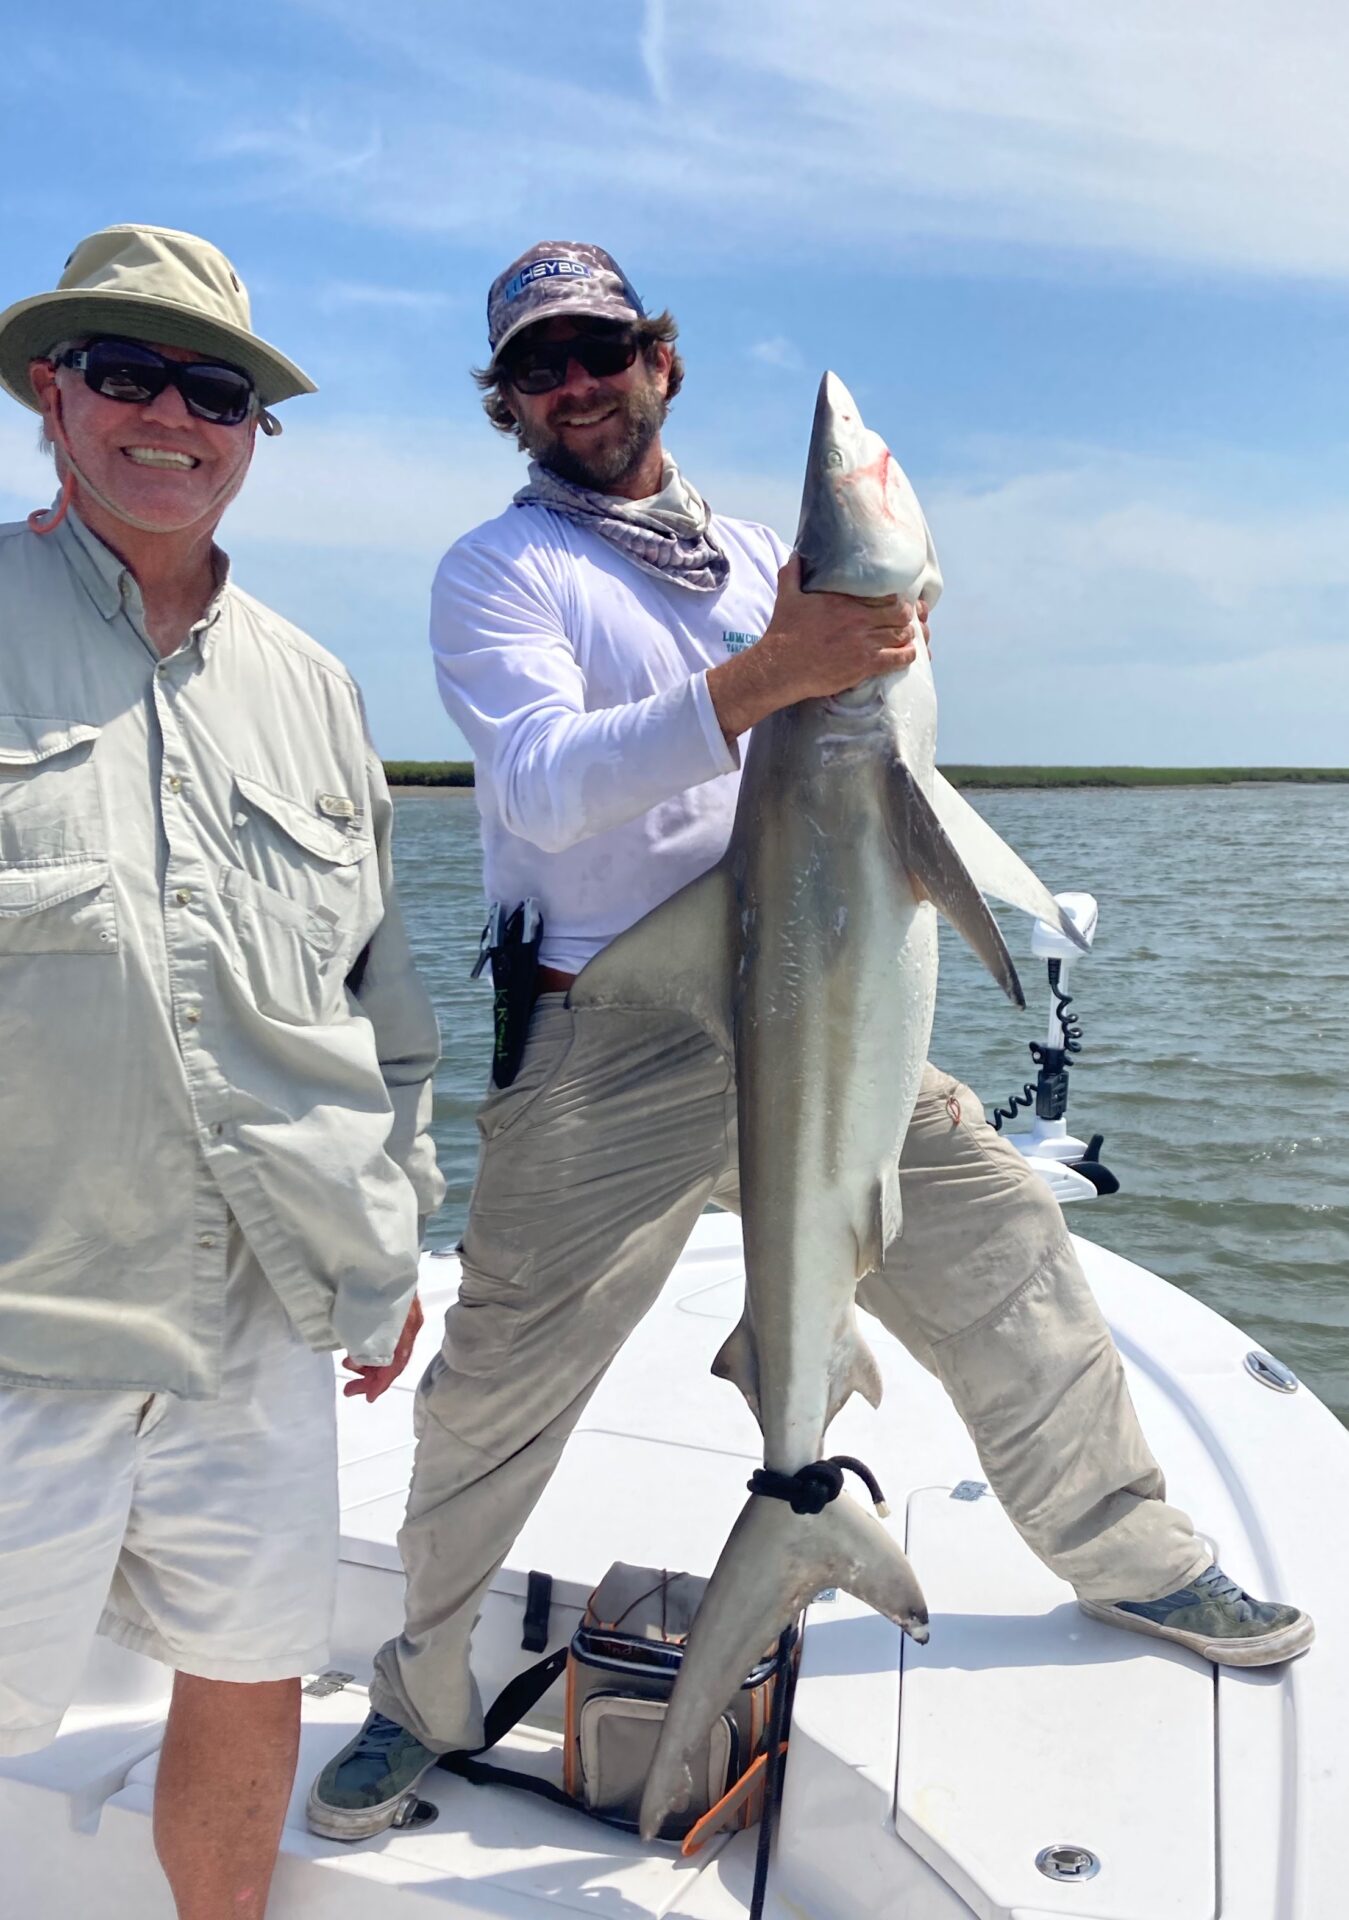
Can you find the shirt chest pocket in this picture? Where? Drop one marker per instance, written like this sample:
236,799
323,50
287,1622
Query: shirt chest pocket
300,901
55,884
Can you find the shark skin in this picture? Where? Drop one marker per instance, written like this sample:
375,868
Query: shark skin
810,954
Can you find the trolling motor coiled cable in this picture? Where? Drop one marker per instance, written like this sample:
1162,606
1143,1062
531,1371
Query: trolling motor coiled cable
1048,1093
1016,1102
1069,1024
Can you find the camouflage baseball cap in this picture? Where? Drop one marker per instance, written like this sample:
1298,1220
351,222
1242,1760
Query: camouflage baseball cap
558,277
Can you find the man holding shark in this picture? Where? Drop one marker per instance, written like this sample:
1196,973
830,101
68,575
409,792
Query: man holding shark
592,643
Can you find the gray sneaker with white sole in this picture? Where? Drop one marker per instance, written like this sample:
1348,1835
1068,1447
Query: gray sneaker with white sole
371,1784
1214,1618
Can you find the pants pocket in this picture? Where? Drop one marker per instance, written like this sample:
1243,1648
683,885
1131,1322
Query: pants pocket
481,1326
552,1030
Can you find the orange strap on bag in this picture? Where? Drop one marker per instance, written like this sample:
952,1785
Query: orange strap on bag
730,1803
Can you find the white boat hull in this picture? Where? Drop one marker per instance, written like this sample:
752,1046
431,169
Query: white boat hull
923,1782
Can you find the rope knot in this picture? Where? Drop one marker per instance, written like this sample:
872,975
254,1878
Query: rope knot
810,1489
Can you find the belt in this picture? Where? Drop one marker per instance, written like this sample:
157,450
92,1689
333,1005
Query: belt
551,980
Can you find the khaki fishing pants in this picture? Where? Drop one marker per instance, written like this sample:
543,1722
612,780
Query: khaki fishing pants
594,1166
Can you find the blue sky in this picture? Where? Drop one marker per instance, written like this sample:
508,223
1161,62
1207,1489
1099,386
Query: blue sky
1086,269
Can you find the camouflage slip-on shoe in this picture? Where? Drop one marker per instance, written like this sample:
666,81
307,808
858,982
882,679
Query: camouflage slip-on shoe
371,1784
1215,1618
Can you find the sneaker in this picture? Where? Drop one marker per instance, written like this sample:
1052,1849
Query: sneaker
371,1784
1214,1618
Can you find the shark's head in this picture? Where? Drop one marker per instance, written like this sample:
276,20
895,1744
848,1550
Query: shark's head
862,530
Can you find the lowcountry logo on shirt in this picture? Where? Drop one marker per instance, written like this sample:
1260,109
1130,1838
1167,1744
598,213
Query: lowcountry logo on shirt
737,642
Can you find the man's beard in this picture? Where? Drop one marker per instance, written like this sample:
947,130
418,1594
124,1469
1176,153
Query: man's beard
642,410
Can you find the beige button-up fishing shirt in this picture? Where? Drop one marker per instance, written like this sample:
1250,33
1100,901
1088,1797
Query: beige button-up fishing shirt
207,1002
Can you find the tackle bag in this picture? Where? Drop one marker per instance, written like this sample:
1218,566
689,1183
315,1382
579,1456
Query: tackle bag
620,1668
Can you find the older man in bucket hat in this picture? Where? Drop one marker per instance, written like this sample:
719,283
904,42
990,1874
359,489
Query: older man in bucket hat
217,1059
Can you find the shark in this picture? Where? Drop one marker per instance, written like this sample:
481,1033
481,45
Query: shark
809,954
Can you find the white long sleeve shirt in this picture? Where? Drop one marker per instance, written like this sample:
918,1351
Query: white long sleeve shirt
604,782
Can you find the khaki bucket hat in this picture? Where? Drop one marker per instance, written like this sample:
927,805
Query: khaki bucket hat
150,284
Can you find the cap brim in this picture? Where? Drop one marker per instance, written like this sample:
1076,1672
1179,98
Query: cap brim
617,311
30,328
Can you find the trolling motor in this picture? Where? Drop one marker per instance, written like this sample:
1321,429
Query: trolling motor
1071,1167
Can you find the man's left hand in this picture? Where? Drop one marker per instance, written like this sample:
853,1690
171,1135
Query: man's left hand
922,621
371,1382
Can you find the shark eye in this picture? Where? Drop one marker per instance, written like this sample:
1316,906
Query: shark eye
833,458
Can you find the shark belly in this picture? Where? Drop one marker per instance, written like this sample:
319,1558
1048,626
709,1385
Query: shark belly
831,1038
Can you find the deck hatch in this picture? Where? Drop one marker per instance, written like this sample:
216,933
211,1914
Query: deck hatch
1022,1722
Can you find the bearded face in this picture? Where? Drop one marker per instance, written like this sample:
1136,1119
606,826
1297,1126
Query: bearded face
596,440
592,429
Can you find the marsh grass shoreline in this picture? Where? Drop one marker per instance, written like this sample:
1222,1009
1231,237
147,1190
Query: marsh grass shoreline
431,774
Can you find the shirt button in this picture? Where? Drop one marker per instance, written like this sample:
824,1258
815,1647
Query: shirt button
175,784
183,896
191,1015
205,1239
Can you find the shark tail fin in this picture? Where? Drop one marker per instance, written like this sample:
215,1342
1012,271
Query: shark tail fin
772,1566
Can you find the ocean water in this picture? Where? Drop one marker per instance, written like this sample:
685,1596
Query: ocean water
1215,1017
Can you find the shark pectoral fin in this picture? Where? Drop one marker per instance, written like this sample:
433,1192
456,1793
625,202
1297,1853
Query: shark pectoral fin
772,1566
682,954
738,1361
938,872
993,866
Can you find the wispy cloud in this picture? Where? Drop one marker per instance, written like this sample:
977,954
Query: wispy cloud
652,44
306,152
778,352
1204,135
339,296
1200,136
369,486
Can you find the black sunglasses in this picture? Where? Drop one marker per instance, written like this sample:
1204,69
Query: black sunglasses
541,367
125,370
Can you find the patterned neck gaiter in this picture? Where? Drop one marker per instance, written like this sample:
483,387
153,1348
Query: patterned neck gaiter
668,535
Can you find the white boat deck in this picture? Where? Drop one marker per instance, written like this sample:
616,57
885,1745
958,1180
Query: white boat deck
923,1782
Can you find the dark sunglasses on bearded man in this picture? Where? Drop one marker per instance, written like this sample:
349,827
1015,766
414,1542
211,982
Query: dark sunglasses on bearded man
541,366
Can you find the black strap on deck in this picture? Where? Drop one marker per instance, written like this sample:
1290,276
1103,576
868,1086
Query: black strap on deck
538,1609
509,1708
780,1720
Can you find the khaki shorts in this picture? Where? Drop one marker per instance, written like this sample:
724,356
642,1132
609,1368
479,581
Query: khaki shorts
200,1532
